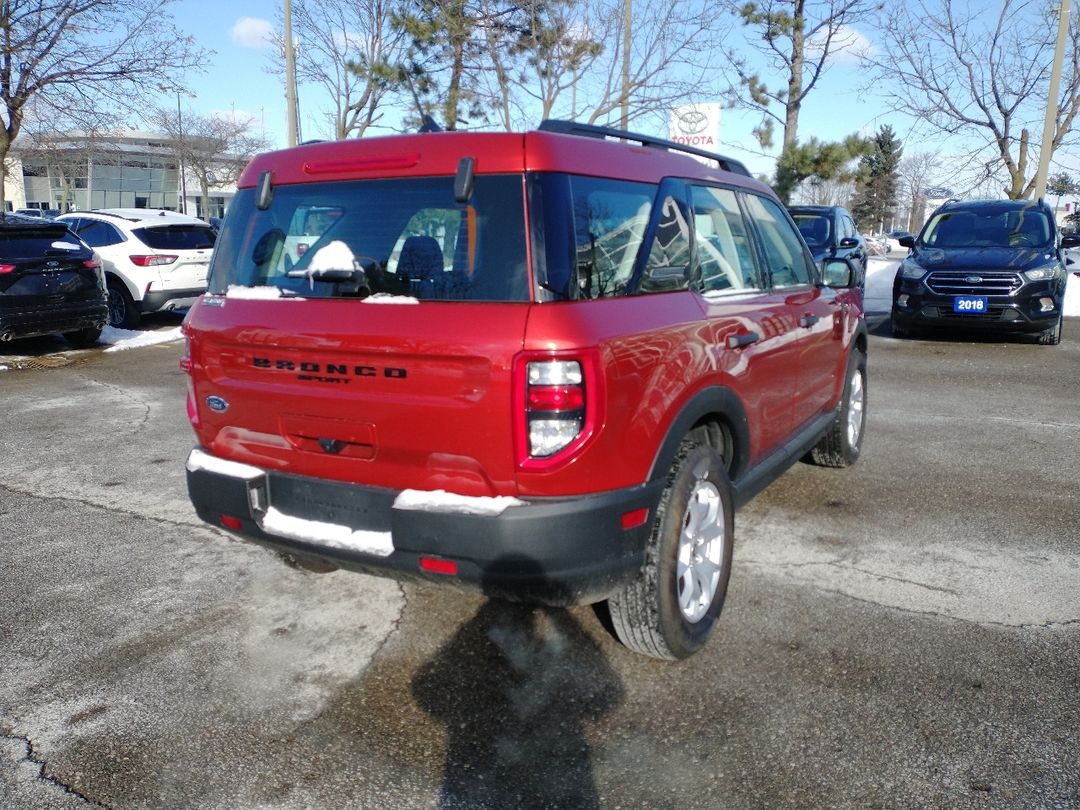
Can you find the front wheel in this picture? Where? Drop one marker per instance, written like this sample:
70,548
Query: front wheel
671,608
1052,336
841,445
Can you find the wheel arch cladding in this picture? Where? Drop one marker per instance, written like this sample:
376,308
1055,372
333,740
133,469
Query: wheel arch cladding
713,404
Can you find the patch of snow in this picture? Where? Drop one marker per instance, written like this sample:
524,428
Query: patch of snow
3,368
66,245
201,460
442,501
264,293
331,535
121,339
1071,306
880,271
389,298
335,256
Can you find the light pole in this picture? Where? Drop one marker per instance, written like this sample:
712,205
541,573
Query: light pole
179,145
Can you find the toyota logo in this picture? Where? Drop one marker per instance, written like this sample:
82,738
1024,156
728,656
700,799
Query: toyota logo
691,122
973,279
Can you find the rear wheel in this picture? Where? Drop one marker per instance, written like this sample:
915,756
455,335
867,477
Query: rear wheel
841,445
123,314
1052,336
671,608
83,338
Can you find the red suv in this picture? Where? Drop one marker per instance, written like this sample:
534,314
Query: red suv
547,365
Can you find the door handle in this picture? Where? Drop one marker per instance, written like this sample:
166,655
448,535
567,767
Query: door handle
806,321
742,339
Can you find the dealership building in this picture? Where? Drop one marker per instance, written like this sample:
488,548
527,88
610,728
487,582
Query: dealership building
132,170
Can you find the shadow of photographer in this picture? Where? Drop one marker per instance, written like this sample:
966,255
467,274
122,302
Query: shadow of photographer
514,688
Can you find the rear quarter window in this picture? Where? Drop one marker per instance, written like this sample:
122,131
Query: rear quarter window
176,237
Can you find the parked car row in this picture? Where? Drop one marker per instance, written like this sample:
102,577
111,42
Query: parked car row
77,272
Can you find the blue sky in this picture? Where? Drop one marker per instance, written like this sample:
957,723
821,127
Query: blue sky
236,79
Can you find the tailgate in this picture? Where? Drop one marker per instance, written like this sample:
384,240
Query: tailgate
397,395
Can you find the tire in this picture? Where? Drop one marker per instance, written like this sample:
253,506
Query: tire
840,446
671,608
1052,336
123,314
83,338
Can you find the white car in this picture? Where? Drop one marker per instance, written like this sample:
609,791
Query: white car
154,261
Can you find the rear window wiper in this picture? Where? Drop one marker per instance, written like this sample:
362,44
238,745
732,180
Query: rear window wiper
334,275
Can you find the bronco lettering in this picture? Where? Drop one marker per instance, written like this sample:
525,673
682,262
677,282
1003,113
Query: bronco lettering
329,370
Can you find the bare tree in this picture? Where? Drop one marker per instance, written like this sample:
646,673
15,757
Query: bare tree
917,173
345,48
799,39
65,146
674,57
214,149
984,76
82,54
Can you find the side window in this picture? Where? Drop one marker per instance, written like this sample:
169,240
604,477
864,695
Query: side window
610,217
722,245
849,227
785,261
97,233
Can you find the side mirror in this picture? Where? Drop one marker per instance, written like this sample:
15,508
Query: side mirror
849,242
1070,240
665,278
907,241
839,274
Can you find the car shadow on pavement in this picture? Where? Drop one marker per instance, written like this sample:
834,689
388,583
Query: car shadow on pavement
514,688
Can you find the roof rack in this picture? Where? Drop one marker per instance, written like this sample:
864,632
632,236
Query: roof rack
593,131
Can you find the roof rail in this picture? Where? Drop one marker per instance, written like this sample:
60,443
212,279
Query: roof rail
593,131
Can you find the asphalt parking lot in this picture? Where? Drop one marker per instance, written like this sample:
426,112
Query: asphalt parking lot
905,633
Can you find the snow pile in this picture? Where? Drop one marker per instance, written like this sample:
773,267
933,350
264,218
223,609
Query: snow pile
121,339
3,368
199,460
388,298
335,256
442,501
258,293
331,535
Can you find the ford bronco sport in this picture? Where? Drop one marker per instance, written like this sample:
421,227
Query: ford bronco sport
546,365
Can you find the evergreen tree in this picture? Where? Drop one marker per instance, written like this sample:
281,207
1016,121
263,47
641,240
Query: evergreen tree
815,159
877,181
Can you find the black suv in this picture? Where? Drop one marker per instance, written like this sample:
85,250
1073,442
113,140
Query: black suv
989,264
49,282
830,232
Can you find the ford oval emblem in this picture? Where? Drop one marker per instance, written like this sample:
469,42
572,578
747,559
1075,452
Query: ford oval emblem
973,279
216,403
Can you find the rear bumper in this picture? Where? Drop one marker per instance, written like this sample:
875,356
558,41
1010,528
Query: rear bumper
167,300
31,322
558,551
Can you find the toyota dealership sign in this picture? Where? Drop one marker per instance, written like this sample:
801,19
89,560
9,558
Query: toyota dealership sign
696,125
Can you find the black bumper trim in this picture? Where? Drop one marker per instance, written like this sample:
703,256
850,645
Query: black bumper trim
559,551
24,323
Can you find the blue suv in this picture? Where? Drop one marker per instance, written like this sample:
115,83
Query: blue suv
984,264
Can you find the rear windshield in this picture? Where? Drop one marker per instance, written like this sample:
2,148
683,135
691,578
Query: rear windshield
816,229
989,226
37,243
176,237
405,237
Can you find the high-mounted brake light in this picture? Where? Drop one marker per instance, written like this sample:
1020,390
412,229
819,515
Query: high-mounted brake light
152,260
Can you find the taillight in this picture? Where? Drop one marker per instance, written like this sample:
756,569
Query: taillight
152,260
90,264
556,400
7,268
554,405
